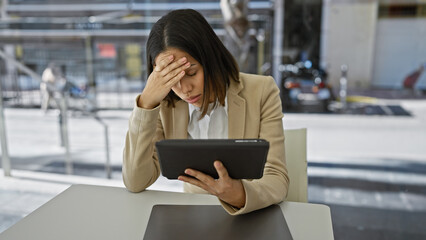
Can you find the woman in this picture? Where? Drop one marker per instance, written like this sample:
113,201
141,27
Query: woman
194,90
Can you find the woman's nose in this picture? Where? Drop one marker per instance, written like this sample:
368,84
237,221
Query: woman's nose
185,86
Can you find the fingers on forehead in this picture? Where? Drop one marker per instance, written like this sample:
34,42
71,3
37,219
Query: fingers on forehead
162,57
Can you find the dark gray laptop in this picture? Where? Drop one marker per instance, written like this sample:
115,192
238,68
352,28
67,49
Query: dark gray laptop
208,222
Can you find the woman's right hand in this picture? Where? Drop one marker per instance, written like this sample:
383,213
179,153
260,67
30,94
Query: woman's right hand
160,82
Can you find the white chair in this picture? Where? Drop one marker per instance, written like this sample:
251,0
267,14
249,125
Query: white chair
295,147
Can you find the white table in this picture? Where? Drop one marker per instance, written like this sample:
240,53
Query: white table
96,212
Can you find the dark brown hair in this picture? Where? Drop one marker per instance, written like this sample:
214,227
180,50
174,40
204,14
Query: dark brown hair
188,31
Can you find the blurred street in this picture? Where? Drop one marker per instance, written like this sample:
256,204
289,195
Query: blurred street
360,92
371,170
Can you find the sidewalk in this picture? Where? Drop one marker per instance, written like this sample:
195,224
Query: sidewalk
369,169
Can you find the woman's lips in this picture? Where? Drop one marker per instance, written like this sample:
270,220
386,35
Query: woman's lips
193,99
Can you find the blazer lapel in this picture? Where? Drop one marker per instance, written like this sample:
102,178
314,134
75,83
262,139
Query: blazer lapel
180,120
236,111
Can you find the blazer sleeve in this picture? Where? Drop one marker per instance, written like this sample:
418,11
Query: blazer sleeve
273,186
140,162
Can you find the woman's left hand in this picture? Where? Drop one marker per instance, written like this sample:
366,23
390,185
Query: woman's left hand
227,189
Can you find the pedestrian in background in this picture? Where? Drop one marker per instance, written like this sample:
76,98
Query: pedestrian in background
52,80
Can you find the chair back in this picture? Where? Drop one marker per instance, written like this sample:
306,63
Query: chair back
297,165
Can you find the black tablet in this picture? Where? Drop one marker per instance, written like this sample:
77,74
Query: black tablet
243,158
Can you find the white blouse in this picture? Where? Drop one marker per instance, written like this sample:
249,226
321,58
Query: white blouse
214,125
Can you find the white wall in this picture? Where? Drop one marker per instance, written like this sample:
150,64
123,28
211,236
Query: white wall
348,37
400,49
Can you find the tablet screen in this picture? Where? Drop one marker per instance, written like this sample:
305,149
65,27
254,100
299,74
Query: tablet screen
243,158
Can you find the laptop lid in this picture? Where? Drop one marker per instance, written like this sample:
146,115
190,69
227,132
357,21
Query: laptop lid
208,222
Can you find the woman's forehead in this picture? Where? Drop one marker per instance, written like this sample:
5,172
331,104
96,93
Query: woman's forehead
177,53
174,51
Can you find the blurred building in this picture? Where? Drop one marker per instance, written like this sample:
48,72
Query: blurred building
100,44
381,41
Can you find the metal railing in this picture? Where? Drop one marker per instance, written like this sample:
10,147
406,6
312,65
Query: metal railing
62,103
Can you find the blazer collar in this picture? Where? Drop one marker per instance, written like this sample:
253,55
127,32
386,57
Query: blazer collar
180,120
236,110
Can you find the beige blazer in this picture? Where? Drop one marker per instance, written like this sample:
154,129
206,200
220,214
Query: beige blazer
254,111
